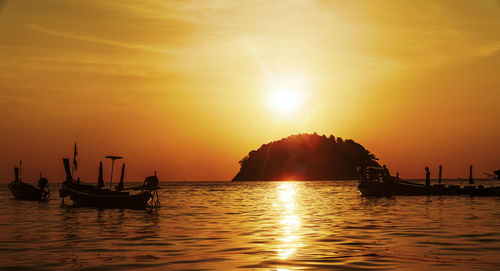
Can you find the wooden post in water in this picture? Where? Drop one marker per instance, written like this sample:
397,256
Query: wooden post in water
440,170
471,181
20,167
397,176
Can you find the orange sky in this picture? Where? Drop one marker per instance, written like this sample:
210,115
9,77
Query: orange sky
183,86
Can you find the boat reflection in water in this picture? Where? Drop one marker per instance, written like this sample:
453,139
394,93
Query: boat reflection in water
290,231
316,225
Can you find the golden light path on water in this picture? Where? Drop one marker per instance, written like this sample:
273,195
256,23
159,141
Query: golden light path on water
290,221
320,225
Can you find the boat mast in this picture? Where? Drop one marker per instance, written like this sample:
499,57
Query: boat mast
100,179
120,185
69,176
16,174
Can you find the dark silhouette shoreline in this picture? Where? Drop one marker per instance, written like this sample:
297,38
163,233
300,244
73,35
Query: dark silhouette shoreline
305,157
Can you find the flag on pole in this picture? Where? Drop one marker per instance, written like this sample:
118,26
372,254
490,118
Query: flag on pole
74,157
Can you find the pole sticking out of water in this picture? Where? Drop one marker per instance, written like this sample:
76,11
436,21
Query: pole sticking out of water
20,167
440,170
471,181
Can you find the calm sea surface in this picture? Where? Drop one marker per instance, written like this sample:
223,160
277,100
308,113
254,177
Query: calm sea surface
255,226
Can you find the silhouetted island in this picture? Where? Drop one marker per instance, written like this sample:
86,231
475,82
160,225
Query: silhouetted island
305,157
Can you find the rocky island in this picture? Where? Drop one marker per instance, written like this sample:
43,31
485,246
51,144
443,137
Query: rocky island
305,157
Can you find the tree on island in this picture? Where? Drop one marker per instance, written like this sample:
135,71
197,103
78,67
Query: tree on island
306,157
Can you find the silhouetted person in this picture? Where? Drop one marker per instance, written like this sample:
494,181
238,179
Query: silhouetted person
386,171
471,180
151,182
42,183
427,176
386,176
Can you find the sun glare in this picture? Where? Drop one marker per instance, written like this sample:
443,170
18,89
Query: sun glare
286,94
284,99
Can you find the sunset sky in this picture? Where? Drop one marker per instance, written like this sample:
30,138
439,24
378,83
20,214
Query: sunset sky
188,88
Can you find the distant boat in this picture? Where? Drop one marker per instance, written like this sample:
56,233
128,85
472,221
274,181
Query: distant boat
374,182
86,195
493,176
25,191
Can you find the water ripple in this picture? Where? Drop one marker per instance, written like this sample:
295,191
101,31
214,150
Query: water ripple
252,226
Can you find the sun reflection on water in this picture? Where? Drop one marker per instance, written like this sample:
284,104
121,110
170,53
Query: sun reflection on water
289,219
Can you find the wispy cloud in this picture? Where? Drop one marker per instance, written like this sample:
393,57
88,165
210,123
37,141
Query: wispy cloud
86,38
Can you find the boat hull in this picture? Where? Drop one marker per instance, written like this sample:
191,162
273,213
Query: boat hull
26,191
88,196
377,189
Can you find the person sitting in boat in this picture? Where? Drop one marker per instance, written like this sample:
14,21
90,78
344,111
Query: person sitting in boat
386,176
151,182
497,173
42,183
427,177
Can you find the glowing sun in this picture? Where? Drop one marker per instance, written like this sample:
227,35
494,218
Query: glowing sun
284,100
285,94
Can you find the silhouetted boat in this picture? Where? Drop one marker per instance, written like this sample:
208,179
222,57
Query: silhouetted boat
25,191
85,195
375,182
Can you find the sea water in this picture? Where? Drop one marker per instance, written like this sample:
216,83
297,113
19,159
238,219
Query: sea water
323,225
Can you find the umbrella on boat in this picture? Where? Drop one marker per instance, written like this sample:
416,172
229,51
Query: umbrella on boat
113,158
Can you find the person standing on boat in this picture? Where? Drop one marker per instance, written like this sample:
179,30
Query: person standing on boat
386,176
385,171
427,177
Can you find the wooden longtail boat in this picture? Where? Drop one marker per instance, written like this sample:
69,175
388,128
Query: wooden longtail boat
85,195
26,191
376,182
